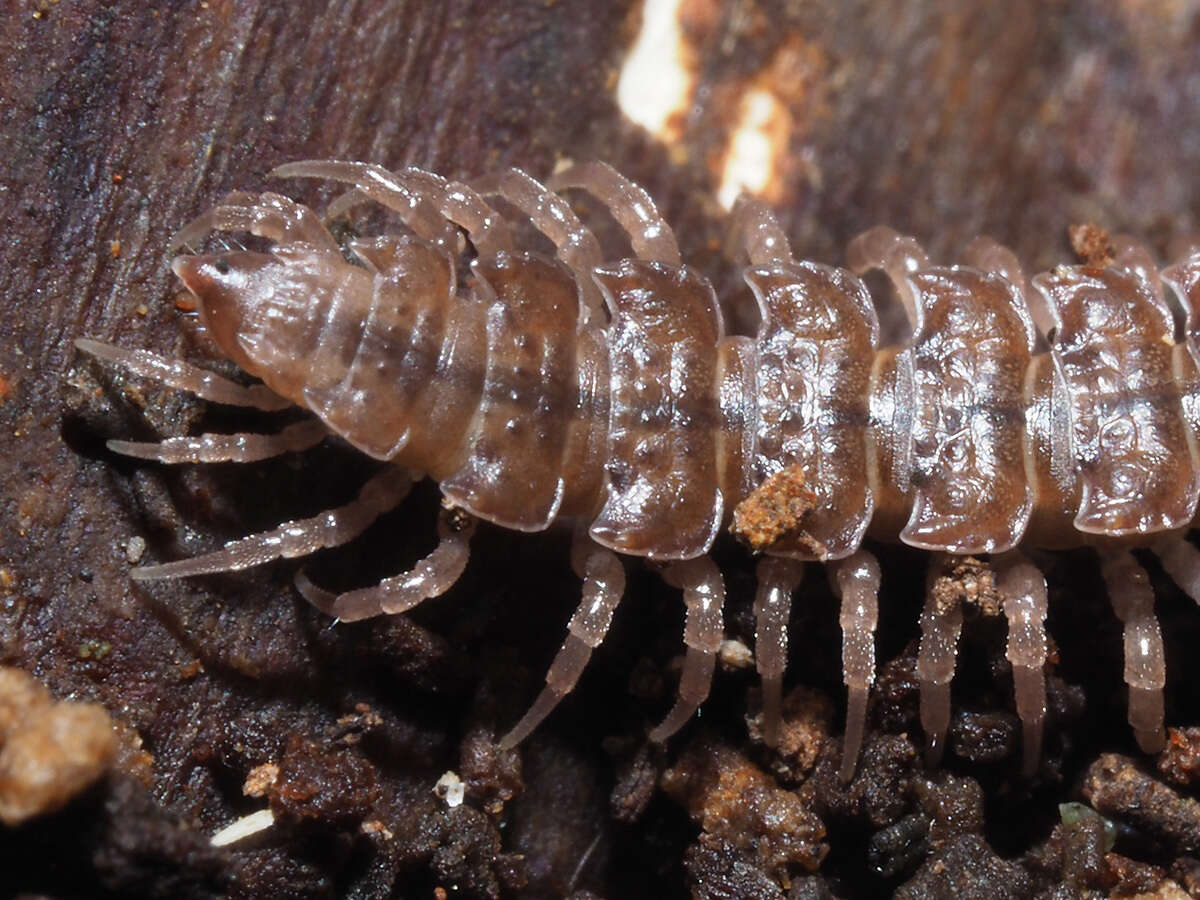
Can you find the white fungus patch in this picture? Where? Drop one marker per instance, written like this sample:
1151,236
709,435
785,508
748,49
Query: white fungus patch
750,162
655,85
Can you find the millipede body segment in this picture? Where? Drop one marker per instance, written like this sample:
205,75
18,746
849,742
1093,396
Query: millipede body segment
1052,412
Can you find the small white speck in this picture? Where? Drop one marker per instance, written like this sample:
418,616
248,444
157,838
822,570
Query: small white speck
451,789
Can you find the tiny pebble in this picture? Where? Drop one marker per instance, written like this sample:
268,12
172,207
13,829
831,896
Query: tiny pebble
733,654
451,789
135,548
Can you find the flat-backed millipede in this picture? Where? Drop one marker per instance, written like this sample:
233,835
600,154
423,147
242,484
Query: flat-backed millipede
1053,412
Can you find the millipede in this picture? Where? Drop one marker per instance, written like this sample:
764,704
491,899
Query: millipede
1052,412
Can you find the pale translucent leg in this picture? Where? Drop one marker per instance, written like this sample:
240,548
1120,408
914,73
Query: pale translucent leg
462,205
941,624
650,235
267,215
1181,561
603,586
343,203
897,256
299,538
703,630
1132,600
552,216
778,579
211,448
856,580
765,242
185,377
1025,605
430,577
416,210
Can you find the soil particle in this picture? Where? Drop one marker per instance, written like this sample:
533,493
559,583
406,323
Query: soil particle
879,792
810,888
49,750
735,803
899,846
718,870
985,736
1186,871
492,775
336,786
1179,762
469,856
969,581
804,730
1116,787
966,868
1133,878
775,509
954,805
1092,244
637,778
949,806
897,691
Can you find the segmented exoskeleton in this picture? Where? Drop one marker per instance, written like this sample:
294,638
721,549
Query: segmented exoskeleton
609,394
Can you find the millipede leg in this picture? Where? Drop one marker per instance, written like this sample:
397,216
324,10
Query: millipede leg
894,254
941,623
778,579
463,206
1145,667
430,577
552,216
298,538
764,240
212,448
856,580
378,184
603,586
406,191
267,215
703,630
1182,562
650,235
1025,605
184,376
